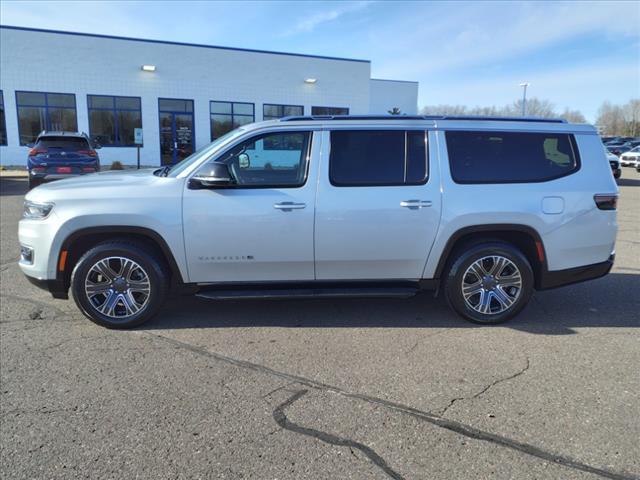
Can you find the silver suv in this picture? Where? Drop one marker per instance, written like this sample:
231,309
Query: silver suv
485,210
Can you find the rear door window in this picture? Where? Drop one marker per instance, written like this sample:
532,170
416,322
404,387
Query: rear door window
63,143
377,158
510,157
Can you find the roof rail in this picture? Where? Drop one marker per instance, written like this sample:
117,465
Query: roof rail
422,117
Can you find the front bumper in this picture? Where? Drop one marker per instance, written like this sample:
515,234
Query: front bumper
39,253
560,278
55,287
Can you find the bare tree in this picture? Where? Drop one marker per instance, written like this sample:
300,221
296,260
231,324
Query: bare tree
631,113
444,110
611,119
573,116
535,108
394,111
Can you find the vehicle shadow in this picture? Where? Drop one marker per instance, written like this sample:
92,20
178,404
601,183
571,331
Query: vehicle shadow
628,182
608,302
13,186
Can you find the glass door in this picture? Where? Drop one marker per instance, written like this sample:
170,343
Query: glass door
176,130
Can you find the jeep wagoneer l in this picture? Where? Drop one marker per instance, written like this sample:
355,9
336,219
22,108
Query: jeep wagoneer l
484,210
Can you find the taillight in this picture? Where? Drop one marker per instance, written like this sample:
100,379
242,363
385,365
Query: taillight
36,151
38,169
606,201
88,169
91,153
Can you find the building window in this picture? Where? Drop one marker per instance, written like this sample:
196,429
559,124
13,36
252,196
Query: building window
38,111
3,124
112,120
272,111
329,111
227,116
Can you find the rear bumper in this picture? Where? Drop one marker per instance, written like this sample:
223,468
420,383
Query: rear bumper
56,176
560,278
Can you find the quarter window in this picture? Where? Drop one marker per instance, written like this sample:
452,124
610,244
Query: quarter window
272,111
227,116
38,111
378,158
3,124
510,157
329,111
112,120
252,164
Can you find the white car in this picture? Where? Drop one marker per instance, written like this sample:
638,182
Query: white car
484,210
630,158
615,164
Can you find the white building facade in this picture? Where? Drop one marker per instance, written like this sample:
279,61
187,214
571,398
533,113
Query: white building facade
185,96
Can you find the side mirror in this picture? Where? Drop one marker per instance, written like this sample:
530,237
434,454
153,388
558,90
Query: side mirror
244,161
213,175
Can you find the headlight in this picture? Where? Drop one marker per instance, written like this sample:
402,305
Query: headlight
35,210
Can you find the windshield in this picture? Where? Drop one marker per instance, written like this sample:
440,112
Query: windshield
201,152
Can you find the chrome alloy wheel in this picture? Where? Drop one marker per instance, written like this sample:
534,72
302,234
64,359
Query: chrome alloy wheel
491,285
117,287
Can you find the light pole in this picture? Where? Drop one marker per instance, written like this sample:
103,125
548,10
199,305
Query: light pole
524,98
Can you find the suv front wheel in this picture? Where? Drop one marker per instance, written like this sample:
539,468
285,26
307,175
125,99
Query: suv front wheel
118,284
489,283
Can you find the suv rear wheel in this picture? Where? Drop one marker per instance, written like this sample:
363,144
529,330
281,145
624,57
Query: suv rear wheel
489,283
119,285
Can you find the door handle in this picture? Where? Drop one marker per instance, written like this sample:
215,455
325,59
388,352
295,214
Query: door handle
288,206
415,204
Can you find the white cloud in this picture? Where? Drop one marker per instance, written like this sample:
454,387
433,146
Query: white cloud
309,24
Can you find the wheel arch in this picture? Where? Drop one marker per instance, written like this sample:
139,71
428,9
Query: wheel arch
80,241
524,237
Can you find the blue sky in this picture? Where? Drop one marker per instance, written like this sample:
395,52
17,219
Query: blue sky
575,54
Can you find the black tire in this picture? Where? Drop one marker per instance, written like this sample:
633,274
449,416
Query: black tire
459,267
34,182
154,268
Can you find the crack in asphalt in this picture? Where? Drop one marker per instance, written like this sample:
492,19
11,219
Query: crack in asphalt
485,389
281,419
431,418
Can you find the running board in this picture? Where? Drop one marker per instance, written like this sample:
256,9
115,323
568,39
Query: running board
278,293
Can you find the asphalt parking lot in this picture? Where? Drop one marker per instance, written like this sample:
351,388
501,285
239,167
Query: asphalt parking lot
359,389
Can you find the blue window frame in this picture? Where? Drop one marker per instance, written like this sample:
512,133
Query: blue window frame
3,123
227,116
38,111
273,111
112,119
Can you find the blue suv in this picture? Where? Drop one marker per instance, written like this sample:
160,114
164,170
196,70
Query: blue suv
56,155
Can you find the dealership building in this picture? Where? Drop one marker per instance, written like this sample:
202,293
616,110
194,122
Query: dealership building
181,95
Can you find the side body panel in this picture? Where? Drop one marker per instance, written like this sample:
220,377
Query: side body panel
364,233
573,230
134,200
238,235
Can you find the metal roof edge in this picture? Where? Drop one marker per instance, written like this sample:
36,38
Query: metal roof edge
182,44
